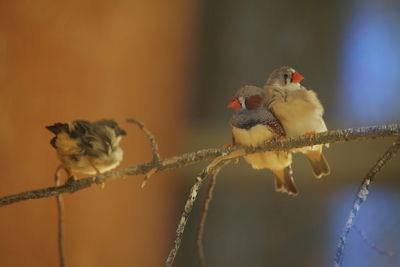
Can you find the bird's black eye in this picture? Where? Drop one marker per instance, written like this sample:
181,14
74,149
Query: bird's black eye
285,78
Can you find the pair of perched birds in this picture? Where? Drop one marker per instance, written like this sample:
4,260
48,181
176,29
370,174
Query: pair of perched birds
282,108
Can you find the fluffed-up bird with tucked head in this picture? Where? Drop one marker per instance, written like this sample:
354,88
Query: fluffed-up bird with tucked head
88,147
252,125
299,111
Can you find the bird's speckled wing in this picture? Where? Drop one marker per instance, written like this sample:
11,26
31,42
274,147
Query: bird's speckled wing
274,124
247,119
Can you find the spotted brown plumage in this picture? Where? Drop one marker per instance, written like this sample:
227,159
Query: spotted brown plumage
88,147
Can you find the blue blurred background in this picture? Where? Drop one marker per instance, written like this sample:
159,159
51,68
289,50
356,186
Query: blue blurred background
349,53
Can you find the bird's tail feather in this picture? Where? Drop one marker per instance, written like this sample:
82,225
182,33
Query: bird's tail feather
318,163
58,128
284,182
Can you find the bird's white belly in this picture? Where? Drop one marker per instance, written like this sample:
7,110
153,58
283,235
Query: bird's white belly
110,162
298,118
299,126
256,136
103,163
296,126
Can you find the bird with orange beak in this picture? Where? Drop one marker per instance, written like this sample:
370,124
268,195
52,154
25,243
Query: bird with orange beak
299,111
252,125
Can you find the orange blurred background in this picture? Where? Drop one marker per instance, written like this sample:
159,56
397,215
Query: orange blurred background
61,61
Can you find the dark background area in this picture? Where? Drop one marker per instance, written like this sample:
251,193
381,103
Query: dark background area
175,66
345,50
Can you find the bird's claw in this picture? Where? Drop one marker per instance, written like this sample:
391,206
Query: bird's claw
282,139
311,135
279,139
227,146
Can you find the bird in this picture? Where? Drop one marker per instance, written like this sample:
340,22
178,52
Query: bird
253,124
299,111
87,147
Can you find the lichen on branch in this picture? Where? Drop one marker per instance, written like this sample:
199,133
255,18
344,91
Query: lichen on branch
163,164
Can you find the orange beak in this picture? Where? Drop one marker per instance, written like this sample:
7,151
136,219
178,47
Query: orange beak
297,77
234,103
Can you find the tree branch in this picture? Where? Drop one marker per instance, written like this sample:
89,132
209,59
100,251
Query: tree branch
362,195
154,150
334,136
194,190
371,244
60,218
150,136
202,221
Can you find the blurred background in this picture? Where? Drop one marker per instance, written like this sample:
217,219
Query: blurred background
175,65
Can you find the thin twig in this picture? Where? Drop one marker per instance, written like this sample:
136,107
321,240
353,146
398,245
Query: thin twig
362,195
203,217
60,218
194,190
334,136
371,244
184,218
154,149
150,136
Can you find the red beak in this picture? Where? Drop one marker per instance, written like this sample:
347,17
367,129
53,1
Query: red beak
297,77
234,103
